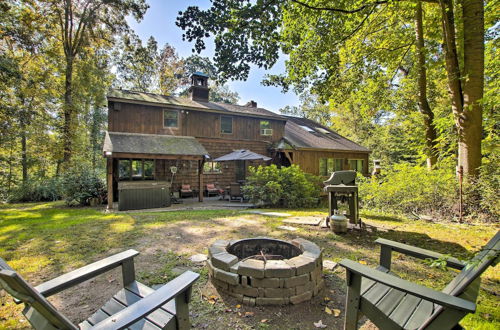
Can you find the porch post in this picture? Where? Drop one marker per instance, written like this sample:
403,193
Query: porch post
200,180
109,175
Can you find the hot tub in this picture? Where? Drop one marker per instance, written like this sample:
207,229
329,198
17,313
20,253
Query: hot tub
135,195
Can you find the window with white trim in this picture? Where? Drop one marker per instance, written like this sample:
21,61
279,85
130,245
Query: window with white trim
265,128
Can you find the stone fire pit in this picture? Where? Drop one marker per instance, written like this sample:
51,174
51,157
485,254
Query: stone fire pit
266,271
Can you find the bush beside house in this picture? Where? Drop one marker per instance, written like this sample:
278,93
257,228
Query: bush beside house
80,186
282,187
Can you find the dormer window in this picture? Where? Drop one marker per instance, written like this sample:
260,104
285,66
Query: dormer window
265,128
171,118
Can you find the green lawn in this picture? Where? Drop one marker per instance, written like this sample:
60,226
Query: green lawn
43,240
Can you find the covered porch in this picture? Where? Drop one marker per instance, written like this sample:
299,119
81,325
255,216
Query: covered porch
149,160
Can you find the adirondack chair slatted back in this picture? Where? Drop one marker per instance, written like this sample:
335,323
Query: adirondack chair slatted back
37,307
469,278
486,257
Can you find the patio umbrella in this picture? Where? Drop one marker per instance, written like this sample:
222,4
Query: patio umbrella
241,154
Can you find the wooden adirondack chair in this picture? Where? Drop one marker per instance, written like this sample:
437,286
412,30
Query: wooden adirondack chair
393,303
136,306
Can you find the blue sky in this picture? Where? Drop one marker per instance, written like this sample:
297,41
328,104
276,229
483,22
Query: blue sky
159,22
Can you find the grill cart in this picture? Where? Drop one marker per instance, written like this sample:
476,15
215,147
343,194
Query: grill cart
341,188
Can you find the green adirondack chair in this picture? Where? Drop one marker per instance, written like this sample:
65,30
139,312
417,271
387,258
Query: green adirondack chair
393,303
136,306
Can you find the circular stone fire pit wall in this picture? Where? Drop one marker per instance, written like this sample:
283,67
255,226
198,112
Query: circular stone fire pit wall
266,271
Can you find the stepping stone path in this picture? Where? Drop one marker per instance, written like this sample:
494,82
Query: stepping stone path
311,221
271,214
198,258
330,265
289,228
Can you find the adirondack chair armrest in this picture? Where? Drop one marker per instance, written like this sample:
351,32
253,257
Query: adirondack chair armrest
84,273
148,304
388,246
420,291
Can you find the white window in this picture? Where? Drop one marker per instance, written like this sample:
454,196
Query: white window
265,128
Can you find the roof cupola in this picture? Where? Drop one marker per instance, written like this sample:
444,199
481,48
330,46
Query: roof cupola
199,90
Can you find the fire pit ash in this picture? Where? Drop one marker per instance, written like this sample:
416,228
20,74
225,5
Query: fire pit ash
266,271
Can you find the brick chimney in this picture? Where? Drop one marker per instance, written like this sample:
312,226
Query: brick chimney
199,90
251,104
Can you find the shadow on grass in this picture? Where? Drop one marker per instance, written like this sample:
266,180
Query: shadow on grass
383,217
66,238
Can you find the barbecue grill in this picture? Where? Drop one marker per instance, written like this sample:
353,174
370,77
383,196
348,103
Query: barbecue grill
341,188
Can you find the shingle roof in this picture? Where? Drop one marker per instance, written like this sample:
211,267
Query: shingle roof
299,137
152,144
121,94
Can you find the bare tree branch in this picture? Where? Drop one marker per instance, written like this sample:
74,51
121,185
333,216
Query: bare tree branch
339,10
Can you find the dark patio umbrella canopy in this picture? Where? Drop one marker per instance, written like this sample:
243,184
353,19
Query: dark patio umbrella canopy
242,154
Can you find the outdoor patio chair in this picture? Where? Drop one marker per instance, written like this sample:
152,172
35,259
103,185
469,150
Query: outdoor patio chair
235,192
212,190
186,191
393,303
136,306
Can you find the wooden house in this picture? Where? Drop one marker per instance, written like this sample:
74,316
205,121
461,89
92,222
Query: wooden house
148,134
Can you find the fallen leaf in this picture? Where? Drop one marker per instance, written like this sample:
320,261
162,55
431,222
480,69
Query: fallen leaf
213,297
249,314
336,312
319,324
328,311
326,299
264,321
238,306
239,314
362,262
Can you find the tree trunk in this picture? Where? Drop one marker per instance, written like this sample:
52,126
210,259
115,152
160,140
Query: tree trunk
471,129
423,103
67,133
24,151
465,99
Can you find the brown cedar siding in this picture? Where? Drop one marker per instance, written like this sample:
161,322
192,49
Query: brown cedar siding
308,160
205,126
147,119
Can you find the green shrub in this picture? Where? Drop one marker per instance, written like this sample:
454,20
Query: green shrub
282,187
485,193
37,191
81,184
407,188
